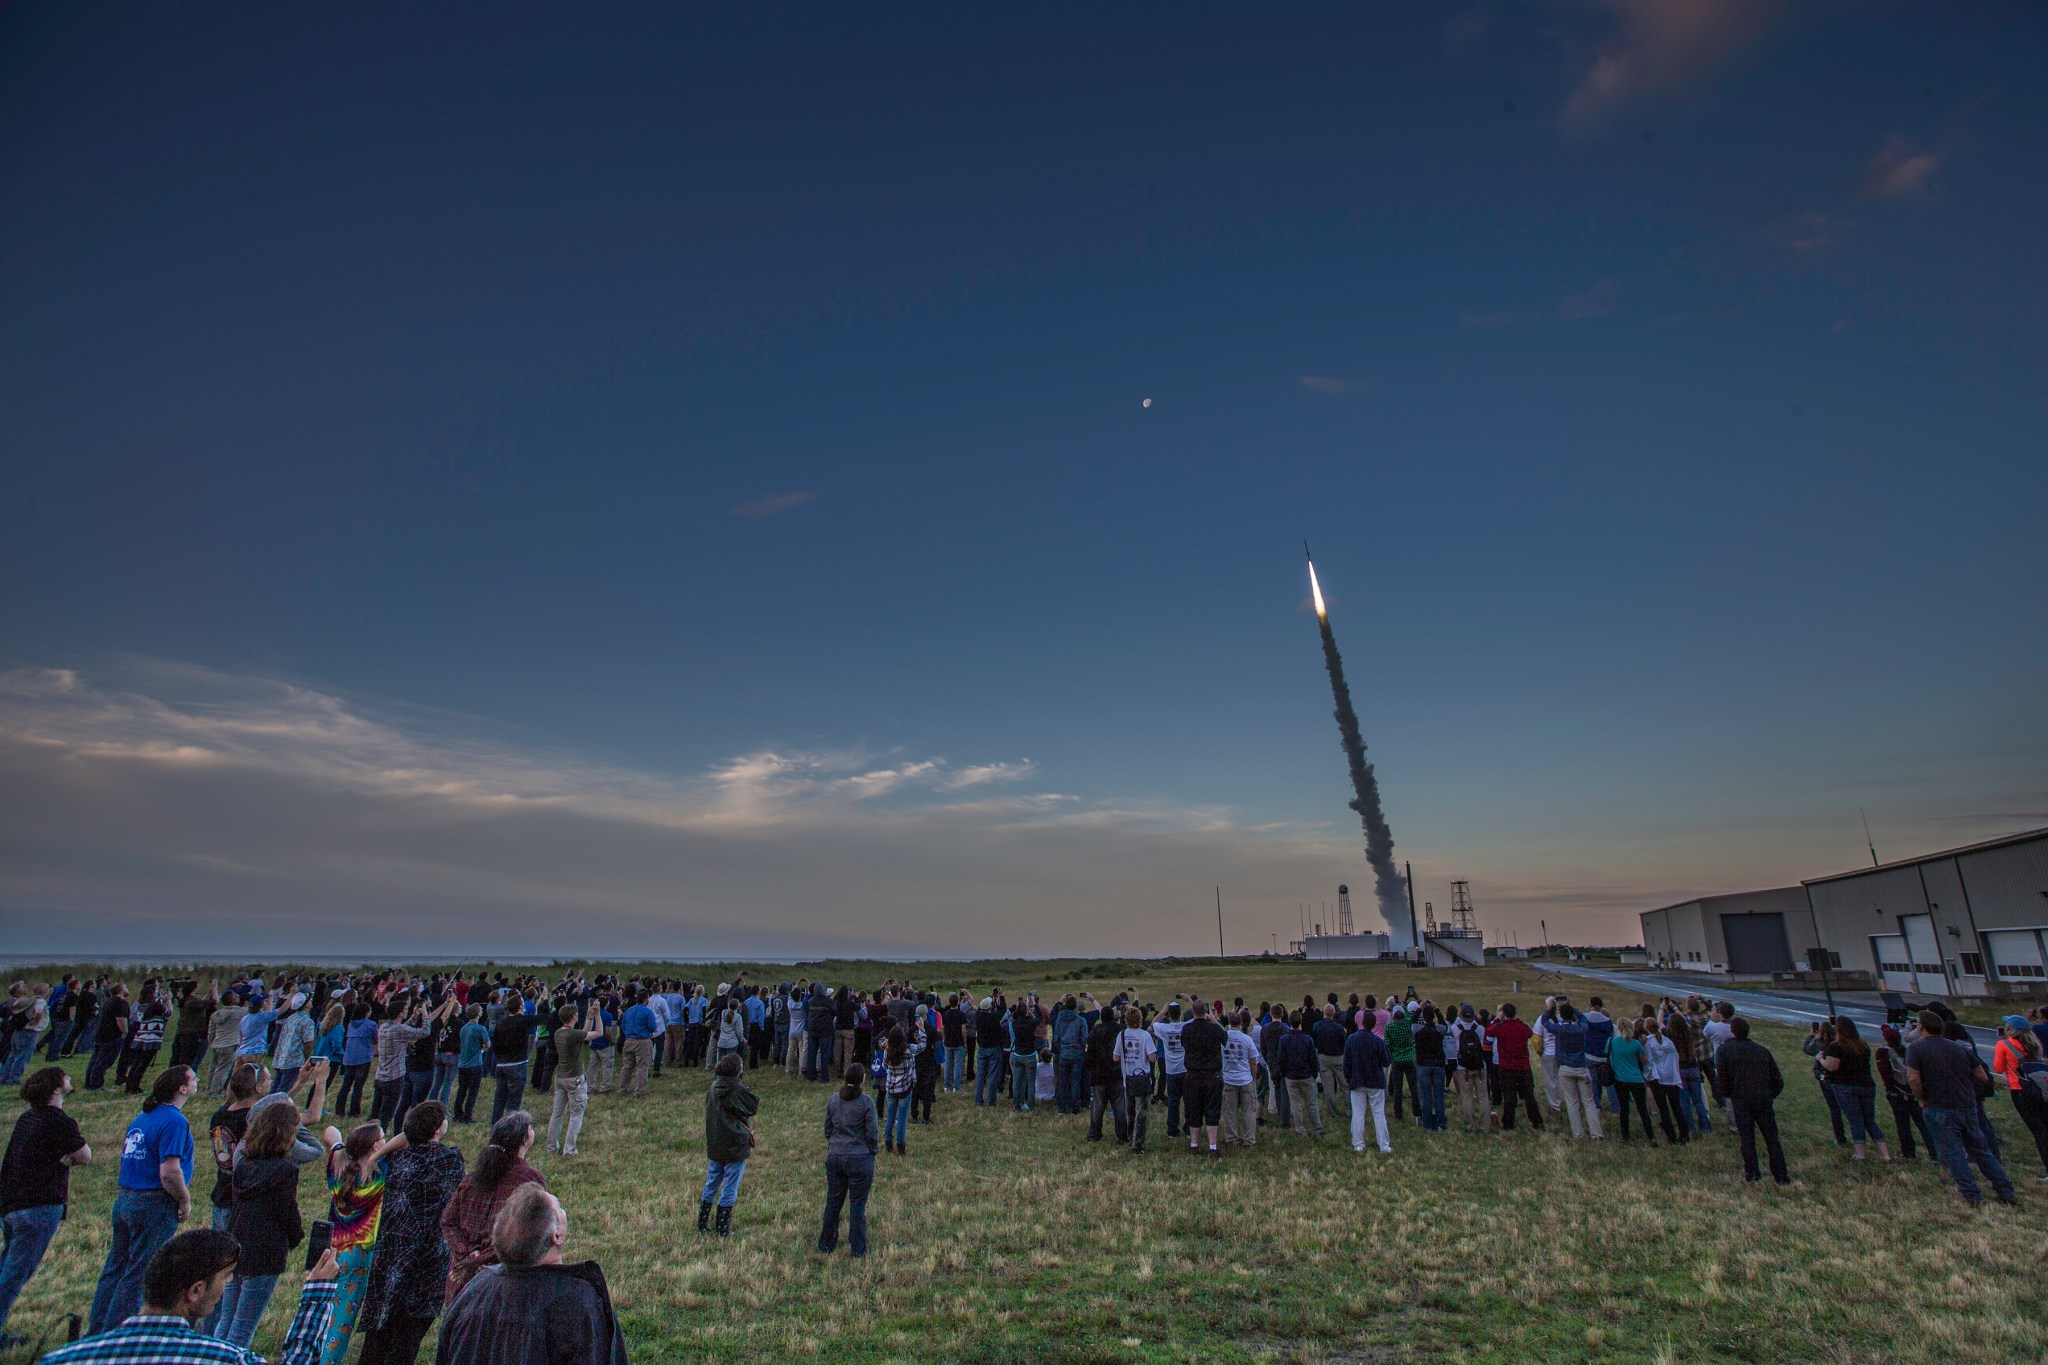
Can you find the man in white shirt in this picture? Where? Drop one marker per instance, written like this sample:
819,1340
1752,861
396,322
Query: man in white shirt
1166,1029
1135,1051
1715,1032
1553,1091
1241,1067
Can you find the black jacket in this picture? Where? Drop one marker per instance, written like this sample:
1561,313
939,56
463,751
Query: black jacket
1749,1074
727,1107
264,1216
539,1315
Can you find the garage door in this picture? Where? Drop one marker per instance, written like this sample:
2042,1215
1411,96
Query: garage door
1892,963
2017,953
1756,943
1925,954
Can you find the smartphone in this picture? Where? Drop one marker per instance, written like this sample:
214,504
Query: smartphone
318,1238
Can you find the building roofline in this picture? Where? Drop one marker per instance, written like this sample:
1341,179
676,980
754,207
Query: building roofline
2020,838
1719,896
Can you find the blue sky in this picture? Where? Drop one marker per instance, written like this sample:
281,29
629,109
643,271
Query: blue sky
682,474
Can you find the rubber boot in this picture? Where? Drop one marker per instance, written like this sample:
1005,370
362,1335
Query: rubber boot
704,1216
725,1220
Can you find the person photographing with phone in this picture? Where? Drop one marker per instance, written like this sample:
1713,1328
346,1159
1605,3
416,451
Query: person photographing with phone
181,1287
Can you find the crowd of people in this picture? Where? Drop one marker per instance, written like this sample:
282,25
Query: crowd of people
414,1233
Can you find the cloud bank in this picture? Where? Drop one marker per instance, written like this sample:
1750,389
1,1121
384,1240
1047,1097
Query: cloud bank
186,810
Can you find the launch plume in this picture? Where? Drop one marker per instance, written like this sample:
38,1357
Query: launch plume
1388,886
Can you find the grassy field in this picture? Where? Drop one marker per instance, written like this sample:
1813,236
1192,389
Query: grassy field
1009,1238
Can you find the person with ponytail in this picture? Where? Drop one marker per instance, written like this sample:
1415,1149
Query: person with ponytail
499,1170
409,1266
155,1195
852,1133
357,1172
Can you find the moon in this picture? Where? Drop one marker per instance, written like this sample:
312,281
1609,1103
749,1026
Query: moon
1146,404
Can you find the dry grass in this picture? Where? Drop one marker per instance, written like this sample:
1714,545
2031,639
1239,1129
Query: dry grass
1008,1238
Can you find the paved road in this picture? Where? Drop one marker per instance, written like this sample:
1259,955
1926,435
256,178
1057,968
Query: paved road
1784,1007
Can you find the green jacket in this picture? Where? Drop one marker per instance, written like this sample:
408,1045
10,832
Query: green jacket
727,1107
1400,1036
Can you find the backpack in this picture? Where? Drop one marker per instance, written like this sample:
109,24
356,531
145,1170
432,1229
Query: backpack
2034,1077
1471,1054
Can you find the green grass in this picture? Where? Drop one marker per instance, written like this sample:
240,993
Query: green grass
1009,1238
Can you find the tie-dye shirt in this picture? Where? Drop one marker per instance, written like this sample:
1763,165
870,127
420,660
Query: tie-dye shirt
356,1216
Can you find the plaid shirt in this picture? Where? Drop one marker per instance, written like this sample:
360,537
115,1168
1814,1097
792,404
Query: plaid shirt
158,1339
393,1038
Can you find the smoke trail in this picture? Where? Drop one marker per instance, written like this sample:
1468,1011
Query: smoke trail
1388,886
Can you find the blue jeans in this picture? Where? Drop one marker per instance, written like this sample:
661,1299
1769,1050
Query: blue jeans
1431,1107
1023,1080
722,1179
143,1221
1859,1109
28,1236
60,1033
847,1178
994,1062
241,1308
511,1089
285,1079
444,1077
956,1058
1692,1100
21,1046
1067,1076
1957,1136
103,1055
895,1128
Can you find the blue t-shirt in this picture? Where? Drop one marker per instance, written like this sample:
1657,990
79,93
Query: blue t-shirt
475,1038
757,1009
696,1009
154,1138
255,1034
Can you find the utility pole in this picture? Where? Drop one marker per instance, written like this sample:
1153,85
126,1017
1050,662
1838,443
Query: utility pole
1219,921
1546,938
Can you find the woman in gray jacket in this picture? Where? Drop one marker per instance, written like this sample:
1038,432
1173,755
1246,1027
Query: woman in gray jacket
852,1133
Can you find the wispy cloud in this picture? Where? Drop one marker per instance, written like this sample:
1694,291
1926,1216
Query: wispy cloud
1900,171
1812,233
1658,46
1330,387
183,808
774,504
1488,321
1592,303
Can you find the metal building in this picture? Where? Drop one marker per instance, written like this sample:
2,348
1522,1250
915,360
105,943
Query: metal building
1970,921
1750,933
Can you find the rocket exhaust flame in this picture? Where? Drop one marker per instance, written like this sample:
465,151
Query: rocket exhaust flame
1389,887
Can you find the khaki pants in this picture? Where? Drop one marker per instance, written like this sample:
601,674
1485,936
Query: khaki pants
842,1050
1580,1105
601,1069
1240,1115
572,1094
793,1061
1301,1098
1552,1092
1333,1085
1471,1098
636,1056
220,1065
